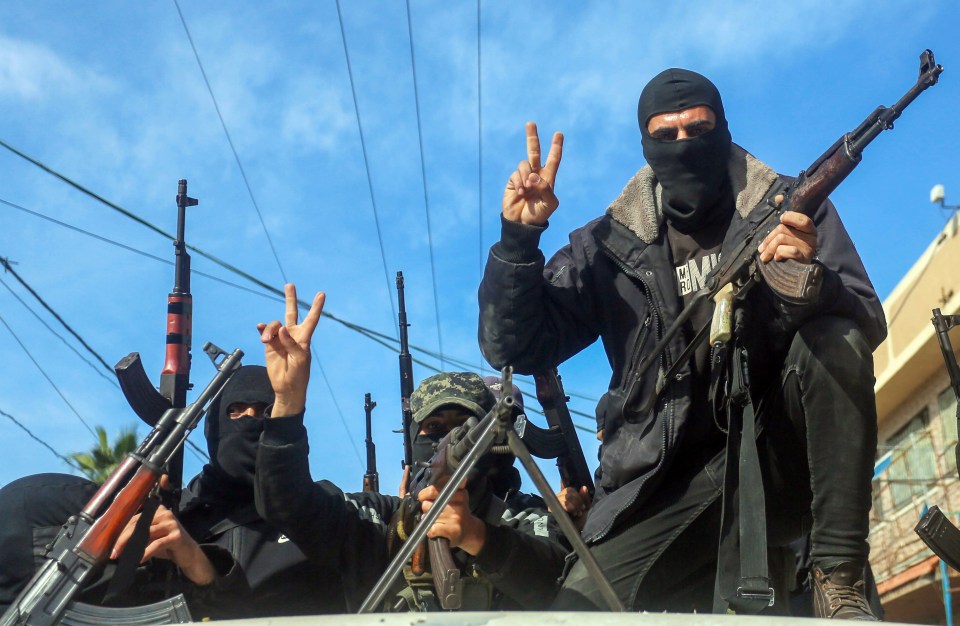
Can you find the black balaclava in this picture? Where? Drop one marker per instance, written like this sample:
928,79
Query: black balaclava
693,172
233,443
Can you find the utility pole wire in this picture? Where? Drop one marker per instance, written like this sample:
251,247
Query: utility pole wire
49,380
59,336
366,163
426,196
6,265
233,149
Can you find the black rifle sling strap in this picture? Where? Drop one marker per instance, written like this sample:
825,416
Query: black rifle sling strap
124,575
743,578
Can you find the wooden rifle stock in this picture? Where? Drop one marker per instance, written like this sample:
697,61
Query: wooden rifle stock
86,541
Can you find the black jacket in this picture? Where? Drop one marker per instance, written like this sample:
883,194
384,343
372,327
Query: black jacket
347,533
259,572
615,281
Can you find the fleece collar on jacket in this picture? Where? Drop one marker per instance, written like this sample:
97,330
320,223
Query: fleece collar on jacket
639,205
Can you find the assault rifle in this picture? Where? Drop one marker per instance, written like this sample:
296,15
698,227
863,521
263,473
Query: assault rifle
570,461
86,540
143,397
793,281
457,454
406,379
934,528
371,480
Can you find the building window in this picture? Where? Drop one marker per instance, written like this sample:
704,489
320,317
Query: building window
913,469
947,403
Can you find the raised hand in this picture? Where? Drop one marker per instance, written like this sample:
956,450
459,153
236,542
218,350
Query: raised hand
529,197
168,540
287,353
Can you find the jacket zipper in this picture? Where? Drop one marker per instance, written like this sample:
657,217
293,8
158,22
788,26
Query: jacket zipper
651,302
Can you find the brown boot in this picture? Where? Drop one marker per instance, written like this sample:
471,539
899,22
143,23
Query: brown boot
839,594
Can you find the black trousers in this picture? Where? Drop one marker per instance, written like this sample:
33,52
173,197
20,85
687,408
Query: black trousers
817,442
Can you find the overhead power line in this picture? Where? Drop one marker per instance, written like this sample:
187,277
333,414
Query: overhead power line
272,292
49,380
266,232
269,296
366,164
236,156
8,268
43,443
423,176
59,336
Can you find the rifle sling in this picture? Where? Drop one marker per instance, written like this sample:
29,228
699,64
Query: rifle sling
743,538
124,575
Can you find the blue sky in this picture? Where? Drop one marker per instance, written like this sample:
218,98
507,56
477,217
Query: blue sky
111,95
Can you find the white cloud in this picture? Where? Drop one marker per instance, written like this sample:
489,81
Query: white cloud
32,72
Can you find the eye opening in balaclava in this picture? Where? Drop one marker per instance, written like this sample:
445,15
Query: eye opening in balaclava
233,443
692,172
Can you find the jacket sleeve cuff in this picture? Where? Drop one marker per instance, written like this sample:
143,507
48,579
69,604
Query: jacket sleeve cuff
496,551
519,243
279,431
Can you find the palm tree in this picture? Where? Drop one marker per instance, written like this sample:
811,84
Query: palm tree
101,460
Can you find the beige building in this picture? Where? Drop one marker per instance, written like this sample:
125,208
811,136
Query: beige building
916,410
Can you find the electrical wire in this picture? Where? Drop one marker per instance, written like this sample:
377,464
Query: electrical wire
366,164
384,340
8,268
43,443
142,253
236,156
59,336
426,196
273,293
266,232
49,380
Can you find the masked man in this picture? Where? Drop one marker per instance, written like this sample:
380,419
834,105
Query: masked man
230,563
664,501
504,541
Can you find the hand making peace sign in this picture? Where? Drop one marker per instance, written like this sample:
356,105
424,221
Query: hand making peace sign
287,352
528,197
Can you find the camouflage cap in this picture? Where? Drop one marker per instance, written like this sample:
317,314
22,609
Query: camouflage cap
462,389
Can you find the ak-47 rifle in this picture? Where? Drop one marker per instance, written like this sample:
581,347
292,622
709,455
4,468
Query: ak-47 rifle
793,281
371,480
457,454
574,471
175,376
406,379
934,528
143,397
86,540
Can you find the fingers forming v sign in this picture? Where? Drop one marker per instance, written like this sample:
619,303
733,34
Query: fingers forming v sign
529,196
287,353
